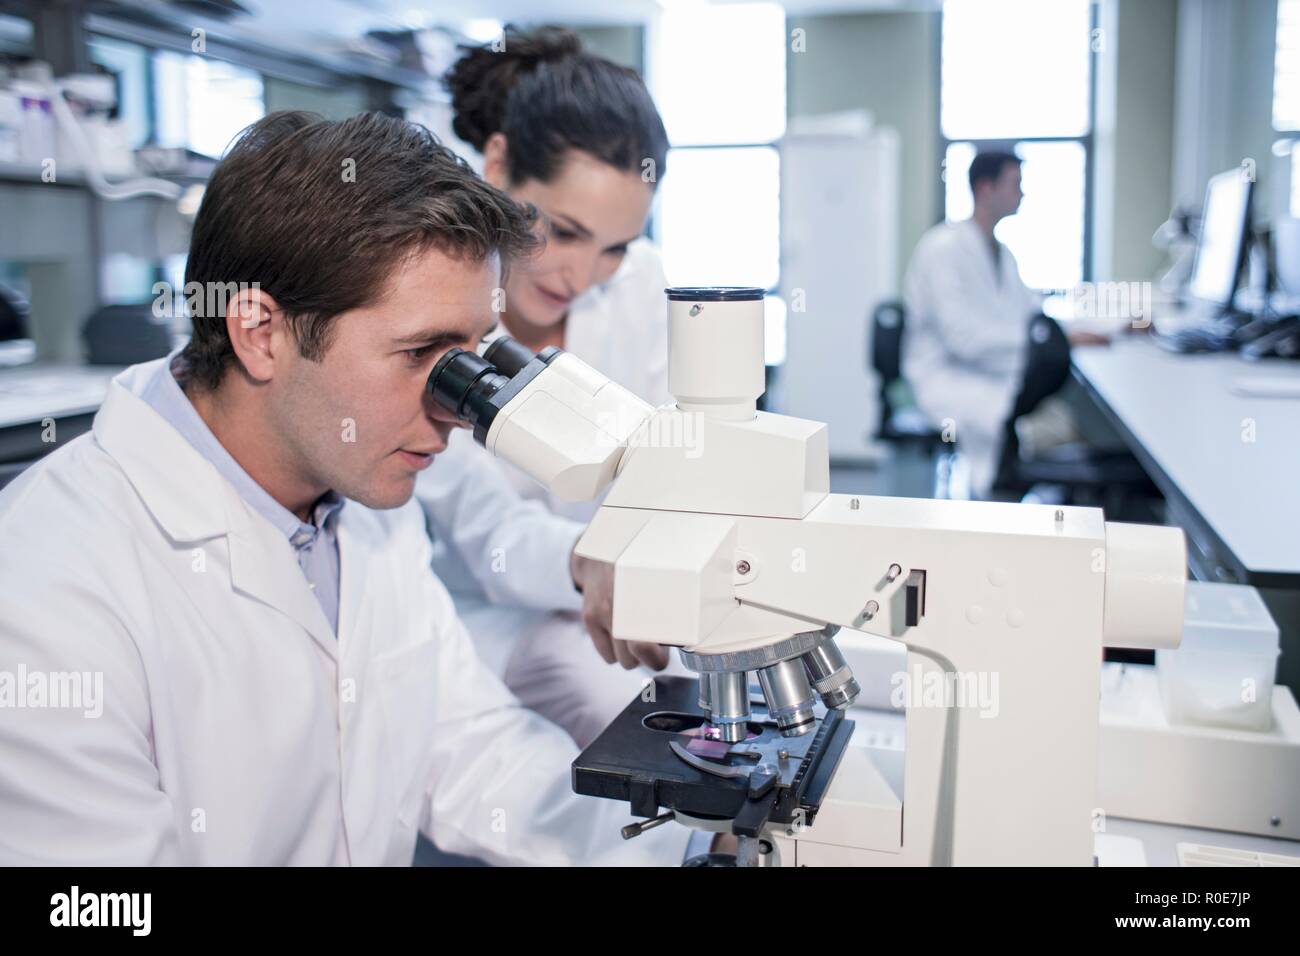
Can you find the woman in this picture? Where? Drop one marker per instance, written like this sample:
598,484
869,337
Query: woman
579,138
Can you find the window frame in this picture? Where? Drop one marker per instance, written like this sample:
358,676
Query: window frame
1087,140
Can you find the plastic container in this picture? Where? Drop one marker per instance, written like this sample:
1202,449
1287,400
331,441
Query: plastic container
1222,674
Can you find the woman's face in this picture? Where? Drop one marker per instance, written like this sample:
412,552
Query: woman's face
590,211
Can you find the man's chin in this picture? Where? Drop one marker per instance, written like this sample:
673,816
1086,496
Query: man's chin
394,494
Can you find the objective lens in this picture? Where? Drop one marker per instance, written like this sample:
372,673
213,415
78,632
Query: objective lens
729,697
789,698
830,676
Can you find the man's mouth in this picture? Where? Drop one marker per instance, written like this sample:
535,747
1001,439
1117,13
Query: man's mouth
419,460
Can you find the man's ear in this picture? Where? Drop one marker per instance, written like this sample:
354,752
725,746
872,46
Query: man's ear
255,324
495,169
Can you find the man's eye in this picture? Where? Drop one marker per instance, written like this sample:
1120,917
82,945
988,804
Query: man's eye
419,355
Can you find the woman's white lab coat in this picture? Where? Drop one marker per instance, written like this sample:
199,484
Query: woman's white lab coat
965,339
236,728
502,542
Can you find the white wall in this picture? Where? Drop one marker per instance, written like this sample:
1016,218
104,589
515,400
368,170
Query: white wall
1133,140
1224,98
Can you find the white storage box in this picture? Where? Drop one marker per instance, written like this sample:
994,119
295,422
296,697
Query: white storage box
1222,673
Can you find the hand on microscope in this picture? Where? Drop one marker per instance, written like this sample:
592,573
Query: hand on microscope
595,579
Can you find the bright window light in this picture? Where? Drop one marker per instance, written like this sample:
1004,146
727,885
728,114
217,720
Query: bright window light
720,215
1013,68
1286,67
483,29
720,73
203,103
958,203
1295,181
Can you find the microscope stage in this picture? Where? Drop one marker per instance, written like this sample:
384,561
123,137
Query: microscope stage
750,783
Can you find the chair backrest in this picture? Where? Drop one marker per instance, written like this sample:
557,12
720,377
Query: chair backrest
886,347
1047,364
886,353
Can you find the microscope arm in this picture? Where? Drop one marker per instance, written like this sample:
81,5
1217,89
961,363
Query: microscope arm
710,582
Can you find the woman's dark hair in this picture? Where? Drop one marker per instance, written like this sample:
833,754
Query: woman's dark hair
548,95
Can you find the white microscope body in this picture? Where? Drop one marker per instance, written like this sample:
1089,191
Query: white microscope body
726,542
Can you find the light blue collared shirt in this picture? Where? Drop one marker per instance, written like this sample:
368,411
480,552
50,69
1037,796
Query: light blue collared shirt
316,544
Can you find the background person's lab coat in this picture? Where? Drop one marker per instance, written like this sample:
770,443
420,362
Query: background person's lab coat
236,727
966,338
502,542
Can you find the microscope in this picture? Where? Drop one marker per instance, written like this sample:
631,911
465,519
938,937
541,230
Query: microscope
726,542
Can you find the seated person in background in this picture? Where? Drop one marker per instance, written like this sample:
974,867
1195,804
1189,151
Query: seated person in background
966,350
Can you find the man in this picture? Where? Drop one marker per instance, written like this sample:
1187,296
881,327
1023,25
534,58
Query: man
227,581
968,320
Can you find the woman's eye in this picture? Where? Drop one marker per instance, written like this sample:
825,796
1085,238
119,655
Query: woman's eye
619,251
564,235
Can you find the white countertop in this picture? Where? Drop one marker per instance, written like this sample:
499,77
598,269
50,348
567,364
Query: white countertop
1234,457
31,393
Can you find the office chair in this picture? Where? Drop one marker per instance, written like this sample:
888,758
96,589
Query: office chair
1083,475
902,424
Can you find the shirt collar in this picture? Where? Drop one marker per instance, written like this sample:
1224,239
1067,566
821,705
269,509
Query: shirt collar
163,393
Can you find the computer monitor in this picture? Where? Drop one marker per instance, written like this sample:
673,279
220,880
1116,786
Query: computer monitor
1225,228
1286,255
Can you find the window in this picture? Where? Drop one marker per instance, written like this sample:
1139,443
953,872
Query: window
171,99
202,103
180,99
719,215
1033,99
129,64
718,76
1014,68
15,36
720,73
1294,204
1286,68
1286,89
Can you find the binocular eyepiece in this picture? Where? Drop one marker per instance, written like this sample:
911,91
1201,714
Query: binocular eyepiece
475,387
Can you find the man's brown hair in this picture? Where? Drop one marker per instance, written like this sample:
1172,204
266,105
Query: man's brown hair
318,214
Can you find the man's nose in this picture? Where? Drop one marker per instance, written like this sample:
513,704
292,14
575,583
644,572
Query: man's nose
579,273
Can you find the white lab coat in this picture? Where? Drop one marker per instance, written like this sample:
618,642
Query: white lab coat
502,542
965,340
236,728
